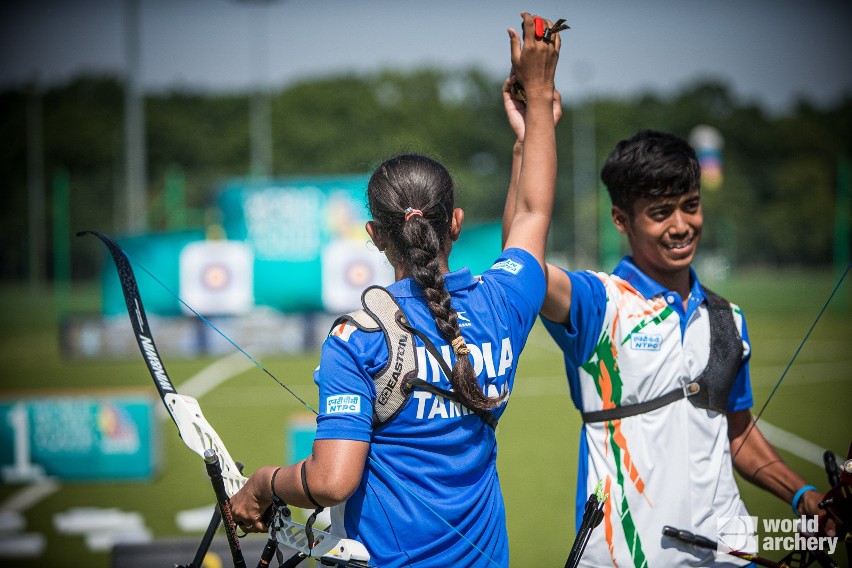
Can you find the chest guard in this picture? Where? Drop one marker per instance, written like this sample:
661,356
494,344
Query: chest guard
397,379
726,353
712,388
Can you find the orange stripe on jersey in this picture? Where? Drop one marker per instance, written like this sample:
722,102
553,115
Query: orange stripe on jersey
617,435
608,531
344,331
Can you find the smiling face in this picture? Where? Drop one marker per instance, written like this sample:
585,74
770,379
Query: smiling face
663,233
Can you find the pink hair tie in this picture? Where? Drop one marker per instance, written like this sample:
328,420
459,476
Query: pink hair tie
409,213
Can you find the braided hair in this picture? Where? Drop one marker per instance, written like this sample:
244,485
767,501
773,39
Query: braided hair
411,201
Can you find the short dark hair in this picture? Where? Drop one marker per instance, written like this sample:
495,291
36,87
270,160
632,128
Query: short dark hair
650,164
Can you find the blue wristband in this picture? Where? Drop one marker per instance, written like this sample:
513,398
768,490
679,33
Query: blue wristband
798,497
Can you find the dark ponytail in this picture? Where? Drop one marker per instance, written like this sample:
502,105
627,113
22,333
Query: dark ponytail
411,201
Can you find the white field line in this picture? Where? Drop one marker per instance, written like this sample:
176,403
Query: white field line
30,495
215,374
794,444
211,377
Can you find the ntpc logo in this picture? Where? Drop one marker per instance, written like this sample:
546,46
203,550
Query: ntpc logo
343,404
646,342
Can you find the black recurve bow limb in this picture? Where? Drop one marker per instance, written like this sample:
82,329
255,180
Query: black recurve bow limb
202,439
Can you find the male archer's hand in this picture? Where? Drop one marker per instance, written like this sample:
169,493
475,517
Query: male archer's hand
809,506
516,109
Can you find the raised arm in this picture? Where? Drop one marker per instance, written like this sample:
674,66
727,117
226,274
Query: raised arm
529,206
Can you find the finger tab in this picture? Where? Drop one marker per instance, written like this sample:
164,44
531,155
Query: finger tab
539,27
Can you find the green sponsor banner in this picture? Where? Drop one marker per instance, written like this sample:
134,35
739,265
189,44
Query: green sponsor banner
477,247
288,223
80,437
311,252
159,254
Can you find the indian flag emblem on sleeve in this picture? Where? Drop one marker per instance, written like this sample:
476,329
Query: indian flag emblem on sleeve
343,331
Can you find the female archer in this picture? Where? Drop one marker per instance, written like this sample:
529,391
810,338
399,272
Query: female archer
396,480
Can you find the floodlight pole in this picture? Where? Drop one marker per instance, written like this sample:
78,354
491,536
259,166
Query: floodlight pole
260,105
585,185
135,159
36,188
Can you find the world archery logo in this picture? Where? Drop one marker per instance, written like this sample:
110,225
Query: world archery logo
740,534
737,533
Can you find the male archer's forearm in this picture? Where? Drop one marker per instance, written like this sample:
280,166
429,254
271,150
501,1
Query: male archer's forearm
759,462
512,193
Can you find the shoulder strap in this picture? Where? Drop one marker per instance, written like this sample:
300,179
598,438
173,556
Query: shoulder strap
392,389
726,353
619,412
382,312
398,378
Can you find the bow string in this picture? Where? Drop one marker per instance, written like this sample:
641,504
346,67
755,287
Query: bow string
793,359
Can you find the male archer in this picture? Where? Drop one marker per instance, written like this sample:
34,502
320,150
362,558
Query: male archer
658,366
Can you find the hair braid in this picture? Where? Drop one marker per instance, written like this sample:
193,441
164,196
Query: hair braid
421,183
425,269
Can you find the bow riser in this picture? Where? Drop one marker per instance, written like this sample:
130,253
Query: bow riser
344,552
199,435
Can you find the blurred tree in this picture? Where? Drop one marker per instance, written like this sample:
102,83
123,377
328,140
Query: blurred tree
775,205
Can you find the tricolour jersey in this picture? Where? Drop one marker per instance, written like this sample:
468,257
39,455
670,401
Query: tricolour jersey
629,340
435,462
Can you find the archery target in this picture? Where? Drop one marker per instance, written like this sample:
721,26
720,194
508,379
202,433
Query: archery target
217,277
358,274
349,266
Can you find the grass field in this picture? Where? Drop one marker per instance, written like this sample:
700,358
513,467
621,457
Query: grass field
537,437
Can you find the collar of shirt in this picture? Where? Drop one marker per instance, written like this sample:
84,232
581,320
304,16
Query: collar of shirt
649,288
453,281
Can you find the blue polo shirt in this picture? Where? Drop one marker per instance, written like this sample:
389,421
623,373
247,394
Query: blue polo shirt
434,463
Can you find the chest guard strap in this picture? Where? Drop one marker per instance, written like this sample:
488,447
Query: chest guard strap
397,379
726,354
712,388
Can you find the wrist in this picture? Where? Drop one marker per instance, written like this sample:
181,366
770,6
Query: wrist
796,502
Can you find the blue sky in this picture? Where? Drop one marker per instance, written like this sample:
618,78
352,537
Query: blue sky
771,52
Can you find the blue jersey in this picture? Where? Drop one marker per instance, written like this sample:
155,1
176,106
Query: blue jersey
435,462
